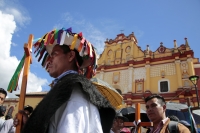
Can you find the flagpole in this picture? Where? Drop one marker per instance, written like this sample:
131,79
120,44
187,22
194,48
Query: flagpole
28,61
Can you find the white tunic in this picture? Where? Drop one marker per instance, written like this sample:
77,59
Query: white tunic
78,115
8,127
1,121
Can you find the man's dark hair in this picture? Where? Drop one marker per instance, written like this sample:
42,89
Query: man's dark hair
173,118
159,97
3,91
66,50
118,90
2,110
28,108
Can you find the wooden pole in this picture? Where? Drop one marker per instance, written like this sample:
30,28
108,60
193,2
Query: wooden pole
28,60
137,117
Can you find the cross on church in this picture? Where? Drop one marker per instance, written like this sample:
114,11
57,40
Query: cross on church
121,31
28,61
137,120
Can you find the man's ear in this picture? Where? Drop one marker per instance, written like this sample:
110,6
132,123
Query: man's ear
72,55
164,107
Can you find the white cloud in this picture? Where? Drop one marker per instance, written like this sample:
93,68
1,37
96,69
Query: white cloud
9,63
14,44
20,14
6,30
19,17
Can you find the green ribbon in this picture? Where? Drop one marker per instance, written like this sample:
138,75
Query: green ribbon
14,80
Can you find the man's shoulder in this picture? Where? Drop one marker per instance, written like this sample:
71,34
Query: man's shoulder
182,128
178,127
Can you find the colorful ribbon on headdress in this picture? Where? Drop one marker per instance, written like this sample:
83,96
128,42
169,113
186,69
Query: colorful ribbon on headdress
63,38
74,42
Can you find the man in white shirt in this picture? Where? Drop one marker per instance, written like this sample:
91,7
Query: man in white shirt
73,105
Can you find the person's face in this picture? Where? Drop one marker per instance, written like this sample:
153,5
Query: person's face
27,112
2,98
155,111
118,124
59,62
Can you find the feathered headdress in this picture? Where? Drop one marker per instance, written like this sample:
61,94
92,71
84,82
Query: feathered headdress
44,46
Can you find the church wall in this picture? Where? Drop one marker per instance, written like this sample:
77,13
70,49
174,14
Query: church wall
121,79
155,83
108,77
163,72
135,79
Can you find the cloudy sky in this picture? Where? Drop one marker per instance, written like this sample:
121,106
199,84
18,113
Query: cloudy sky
151,21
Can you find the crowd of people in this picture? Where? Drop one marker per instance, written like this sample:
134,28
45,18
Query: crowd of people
155,107
74,105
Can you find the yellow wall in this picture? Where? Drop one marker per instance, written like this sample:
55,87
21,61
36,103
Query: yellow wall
32,101
172,82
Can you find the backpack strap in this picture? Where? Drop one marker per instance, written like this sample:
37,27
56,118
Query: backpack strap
173,127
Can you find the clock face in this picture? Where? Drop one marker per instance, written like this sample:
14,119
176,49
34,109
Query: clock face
161,49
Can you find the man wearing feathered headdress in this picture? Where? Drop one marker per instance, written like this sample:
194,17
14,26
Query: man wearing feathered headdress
73,105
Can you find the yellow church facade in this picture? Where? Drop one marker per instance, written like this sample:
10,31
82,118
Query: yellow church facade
138,73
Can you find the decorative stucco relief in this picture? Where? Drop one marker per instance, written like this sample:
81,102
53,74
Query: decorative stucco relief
108,76
130,79
139,73
125,79
184,69
156,70
125,75
100,75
